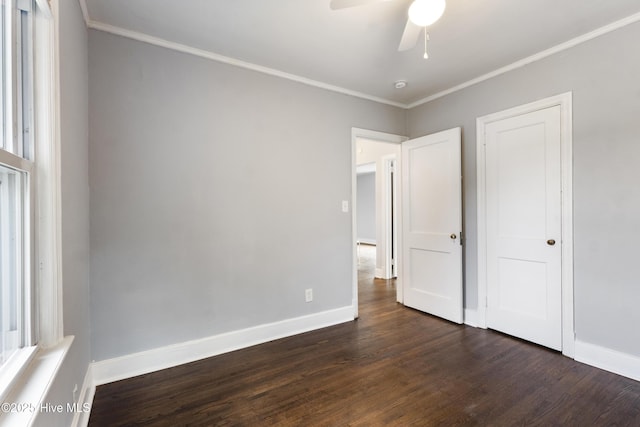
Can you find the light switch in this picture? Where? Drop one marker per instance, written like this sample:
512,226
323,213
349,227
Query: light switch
345,206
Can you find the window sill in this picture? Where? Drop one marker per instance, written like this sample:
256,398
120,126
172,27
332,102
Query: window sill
26,397
14,367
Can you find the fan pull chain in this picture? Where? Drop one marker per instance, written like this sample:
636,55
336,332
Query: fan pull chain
426,39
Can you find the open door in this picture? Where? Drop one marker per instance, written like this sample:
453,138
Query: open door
432,224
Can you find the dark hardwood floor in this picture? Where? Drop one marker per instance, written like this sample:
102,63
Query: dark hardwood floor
394,366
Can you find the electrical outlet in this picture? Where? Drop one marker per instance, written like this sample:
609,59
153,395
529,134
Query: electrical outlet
308,295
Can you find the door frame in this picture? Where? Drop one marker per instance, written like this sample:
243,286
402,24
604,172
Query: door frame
390,216
356,134
391,191
564,101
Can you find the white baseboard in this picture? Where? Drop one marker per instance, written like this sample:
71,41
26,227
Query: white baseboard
85,400
471,317
610,360
131,365
619,363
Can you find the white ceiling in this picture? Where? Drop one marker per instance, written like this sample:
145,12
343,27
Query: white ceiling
356,49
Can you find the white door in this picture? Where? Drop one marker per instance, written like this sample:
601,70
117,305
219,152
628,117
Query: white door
432,223
523,225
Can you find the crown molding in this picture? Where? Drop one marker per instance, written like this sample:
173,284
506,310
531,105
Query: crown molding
85,11
533,58
156,41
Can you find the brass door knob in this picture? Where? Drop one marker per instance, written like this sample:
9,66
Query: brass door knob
453,236
551,242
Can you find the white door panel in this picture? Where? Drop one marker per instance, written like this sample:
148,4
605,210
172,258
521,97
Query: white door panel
432,221
523,202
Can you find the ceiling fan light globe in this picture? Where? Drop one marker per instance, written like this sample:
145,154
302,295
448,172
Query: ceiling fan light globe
425,12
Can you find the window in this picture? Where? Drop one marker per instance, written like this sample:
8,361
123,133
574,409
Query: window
13,262
30,263
17,186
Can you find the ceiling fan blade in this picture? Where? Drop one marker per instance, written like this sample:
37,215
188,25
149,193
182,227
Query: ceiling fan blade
410,36
343,4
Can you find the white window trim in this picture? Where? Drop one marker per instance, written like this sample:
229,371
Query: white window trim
28,397
48,206
12,368
39,365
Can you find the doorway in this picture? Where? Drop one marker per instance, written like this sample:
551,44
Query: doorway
423,177
525,276
377,152
376,202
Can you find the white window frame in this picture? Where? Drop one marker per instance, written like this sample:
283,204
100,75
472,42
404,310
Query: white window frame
17,154
28,380
47,152
20,356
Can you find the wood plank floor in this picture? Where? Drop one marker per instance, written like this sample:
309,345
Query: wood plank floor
394,366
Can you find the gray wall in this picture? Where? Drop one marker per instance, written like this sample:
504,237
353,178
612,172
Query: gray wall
366,207
209,182
75,208
604,77
210,187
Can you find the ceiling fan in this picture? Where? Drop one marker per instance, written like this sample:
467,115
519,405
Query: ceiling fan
422,13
